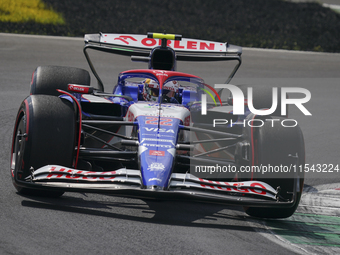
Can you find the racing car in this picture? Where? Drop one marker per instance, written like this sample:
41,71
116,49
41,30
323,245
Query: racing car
156,136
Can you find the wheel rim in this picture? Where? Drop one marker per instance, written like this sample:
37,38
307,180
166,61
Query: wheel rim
18,149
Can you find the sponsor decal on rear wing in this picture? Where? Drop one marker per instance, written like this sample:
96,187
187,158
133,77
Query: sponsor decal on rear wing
143,42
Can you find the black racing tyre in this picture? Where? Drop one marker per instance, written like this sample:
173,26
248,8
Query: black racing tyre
44,133
47,79
262,98
279,147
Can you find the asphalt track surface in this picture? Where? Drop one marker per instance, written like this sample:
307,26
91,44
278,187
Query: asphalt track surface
101,224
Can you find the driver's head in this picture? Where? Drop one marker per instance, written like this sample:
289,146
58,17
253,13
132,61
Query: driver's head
151,90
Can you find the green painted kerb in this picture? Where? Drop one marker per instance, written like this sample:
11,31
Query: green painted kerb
311,229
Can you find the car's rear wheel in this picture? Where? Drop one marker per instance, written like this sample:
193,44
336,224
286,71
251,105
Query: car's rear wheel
47,79
281,150
44,134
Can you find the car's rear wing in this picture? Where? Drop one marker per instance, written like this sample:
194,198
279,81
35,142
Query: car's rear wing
186,49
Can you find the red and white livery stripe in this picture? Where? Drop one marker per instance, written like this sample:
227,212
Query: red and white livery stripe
248,187
53,172
141,41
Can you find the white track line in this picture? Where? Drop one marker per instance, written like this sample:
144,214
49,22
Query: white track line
44,36
245,48
332,6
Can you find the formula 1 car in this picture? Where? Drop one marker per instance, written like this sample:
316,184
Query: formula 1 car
156,135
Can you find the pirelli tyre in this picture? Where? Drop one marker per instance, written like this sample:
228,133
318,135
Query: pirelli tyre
47,79
44,133
278,151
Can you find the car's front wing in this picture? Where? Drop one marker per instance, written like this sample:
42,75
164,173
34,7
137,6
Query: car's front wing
127,182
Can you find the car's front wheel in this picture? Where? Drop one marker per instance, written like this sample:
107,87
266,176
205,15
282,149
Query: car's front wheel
44,134
279,153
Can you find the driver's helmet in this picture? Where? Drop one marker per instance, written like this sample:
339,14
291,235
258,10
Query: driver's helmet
151,90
